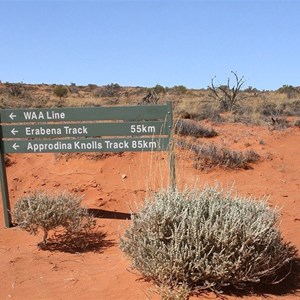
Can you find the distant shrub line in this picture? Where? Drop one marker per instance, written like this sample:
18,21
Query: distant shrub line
249,105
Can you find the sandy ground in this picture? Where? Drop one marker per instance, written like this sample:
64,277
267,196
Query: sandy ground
113,187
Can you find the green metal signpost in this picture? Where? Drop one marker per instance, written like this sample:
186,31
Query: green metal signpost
96,129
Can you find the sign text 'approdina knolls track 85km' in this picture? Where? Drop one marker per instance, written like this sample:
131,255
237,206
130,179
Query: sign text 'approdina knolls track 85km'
96,129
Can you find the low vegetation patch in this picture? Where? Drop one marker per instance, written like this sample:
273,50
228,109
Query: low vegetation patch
208,156
279,124
40,211
190,128
206,239
60,91
297,123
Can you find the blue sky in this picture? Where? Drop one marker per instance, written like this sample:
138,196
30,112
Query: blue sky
144,43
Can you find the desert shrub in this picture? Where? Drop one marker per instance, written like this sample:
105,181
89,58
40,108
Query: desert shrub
13,89
267,109
297,123
206,239
40,211
290,107
180,292
109,90
279,123
17,102
60,91
208,156
98,92
90,87
253,118
73,88
179,89
150,98
159,89
251,89
190,128
210,112
243,109
40,101
288,90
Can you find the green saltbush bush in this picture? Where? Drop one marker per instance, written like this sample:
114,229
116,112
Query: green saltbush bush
41,211
206,239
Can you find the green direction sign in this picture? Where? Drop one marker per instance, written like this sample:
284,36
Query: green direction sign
85,130
85,145
126,113
127,128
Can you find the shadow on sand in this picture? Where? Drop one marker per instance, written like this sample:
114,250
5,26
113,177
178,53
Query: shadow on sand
107,214
81,242
91,241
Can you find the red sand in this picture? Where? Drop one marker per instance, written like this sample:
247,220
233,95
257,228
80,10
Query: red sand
115,186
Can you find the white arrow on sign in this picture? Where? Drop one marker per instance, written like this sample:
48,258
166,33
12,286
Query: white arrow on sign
14,131
15,146
12,116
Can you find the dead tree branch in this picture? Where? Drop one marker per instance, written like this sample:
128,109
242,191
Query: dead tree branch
226,95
